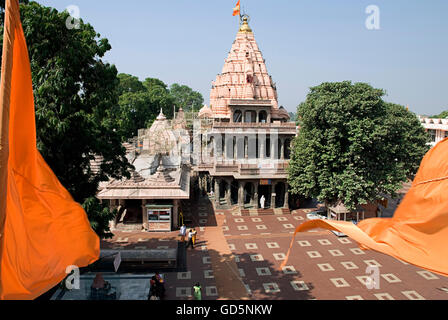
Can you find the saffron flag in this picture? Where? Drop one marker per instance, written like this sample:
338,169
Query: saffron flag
418,231
43,231
236,10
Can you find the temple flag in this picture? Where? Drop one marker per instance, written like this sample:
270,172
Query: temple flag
236,10
43,232
418,232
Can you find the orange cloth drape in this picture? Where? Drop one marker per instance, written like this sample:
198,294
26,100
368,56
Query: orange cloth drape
418,232
45,231
236,10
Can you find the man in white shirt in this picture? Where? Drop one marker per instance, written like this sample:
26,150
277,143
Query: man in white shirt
183,233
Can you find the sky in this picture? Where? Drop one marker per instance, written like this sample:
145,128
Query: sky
304,43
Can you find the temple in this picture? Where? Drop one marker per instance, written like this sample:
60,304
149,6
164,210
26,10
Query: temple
150,199
244,137
237,150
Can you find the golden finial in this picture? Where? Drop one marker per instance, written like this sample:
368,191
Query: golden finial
244,27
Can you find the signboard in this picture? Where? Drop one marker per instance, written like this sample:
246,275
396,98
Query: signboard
117,261
265,182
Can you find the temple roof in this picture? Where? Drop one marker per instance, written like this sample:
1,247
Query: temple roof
244,75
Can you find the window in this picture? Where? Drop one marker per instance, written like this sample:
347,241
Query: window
159,215
446,134
237,116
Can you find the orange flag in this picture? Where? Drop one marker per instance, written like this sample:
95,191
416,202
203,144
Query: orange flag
236,10
418,232
43,231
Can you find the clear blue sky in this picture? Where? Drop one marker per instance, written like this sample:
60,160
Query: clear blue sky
304,42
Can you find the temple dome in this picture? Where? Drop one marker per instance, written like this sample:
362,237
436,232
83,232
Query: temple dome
161,137
244,75
205,112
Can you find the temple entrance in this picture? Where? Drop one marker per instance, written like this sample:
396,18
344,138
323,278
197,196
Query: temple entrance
132,213
222,189
280,189
248,193
266,192
234,192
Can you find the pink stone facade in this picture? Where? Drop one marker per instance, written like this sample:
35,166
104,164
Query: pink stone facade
244,76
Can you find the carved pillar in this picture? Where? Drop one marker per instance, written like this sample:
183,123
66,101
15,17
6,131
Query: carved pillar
240,193
235,148
246,147
256,200
286,204
145,215
273,195
228,193
258,116
175,214
224,147
282,149
217,191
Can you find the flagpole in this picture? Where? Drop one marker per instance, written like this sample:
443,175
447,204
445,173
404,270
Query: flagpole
11,8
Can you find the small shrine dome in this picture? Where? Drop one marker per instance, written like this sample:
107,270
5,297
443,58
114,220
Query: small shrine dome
161,137
206,112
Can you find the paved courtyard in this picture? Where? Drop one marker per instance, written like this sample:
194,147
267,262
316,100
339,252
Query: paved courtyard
238,257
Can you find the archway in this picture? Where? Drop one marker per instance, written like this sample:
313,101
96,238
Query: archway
234,192
266,192
238,116
280,195
250,117
248,193
222,189
263,117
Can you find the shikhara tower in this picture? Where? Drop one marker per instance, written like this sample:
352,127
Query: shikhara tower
245,151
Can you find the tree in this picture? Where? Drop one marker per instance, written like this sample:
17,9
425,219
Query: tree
185,98
139,104
442,115
74,91
352,146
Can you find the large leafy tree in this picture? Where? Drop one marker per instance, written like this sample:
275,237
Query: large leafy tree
442,115
139,104
352,146
74,91
186,98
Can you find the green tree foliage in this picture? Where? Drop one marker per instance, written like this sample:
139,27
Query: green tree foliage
442,115
353,146
139,104
74,91
186,98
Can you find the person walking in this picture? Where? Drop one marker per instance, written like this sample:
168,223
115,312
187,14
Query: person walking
183,233
190,239
197,292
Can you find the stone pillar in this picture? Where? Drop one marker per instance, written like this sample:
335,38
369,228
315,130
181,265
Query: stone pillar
258,116
175,219
228,193
282,149
262,143
286,204
113,206
273,195
217,191
246,148
145,215
256,200
224,148
240,193
235,148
